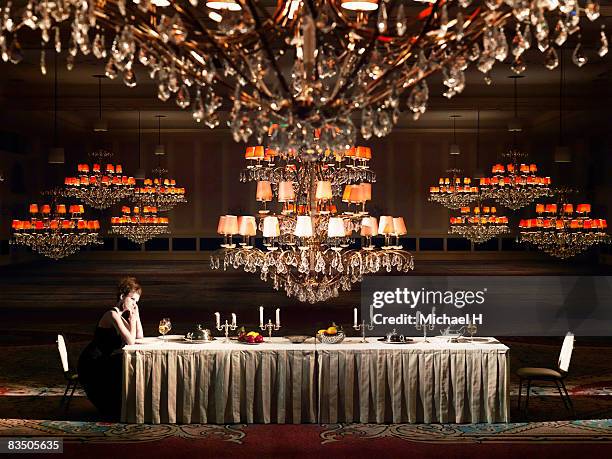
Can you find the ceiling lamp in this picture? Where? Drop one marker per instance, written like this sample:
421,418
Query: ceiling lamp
140,172
160,150
564,230
56,231
455,191
360,5
479,224
515,124
139,226
478,173
516,184
562,151
306,66
454,147
100,124
100,186
309,248
56,154
159,192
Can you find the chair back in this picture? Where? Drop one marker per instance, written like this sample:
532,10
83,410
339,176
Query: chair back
566,352
63,352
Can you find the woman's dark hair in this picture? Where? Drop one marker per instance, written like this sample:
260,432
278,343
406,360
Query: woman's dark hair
126,286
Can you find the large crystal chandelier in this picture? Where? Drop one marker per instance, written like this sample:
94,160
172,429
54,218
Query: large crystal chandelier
308,248
564,230
302,66
479,224
99,186
138,225
454,192
160,192
56,231
515,184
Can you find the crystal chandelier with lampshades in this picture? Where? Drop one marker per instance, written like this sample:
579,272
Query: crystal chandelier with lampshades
100,185
562,229
139,224
309,249
56,230
454,191
160,192
303,66
479,224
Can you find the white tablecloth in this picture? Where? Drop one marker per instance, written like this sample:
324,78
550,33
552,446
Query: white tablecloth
168,382
421,382
280,382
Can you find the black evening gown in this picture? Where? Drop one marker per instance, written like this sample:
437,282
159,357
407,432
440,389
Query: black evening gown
100,369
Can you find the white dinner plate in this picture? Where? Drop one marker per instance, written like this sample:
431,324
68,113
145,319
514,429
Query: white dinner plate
171,337
149,340
199,341
477,340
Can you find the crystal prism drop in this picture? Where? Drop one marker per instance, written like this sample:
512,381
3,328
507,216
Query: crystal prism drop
527,36
551,60
109,70
518,43
474,53
400,23
561,33
183,99
58,41
487,79
163,93
129,77
591,9
43,63
69,62
603,49
444,18
15,54
542,29
543,44
381,21
198,107
518,66
459,26
578,56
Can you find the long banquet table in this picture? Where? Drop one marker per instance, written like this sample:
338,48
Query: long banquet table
280,382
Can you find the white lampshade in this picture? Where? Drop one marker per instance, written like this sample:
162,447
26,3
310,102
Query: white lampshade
369,226
231,224
160,150
303,226
56,155
247,226
264,191
399,227
100,125
221,225
515,125
386,225
335,227
454,149
271,227
323,191
286,192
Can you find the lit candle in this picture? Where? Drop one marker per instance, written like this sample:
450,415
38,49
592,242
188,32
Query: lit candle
355,316
218,319
233,319
277,317
261,316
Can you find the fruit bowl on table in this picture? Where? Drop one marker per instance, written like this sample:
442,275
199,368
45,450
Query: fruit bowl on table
250,338
336,338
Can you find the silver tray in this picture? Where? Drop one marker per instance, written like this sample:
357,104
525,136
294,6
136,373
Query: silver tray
199,341
406,341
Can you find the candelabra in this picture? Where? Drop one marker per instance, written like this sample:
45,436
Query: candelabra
421,325
226,326
363,327
270,326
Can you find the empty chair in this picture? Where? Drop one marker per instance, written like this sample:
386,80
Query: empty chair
557,376
72,378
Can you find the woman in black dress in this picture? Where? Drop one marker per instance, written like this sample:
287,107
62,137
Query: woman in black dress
100,363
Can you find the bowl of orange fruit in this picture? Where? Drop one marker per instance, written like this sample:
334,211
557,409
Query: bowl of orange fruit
331,335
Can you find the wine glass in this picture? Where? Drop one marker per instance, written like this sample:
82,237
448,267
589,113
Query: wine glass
165,326
471,329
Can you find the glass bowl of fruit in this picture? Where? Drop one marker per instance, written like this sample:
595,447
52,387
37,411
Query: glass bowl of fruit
251,337
331,335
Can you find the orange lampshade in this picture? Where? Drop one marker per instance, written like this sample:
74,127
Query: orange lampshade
366,190
346,194
230,225
249,153
369,226
286,192
568,208
96,168
258,152
247,226
17,225
46,209
539,208
33,208
399,227
264,191
356,194
584,208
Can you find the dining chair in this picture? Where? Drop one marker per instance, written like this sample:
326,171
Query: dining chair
71,376
557,376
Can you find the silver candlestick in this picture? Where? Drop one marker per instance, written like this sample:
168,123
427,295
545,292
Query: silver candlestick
270,326
227,327
363,327
422,326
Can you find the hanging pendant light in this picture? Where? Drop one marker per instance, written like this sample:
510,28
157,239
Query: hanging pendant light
100,124
515,124
56,153
140,172
360,5
454,147
160,150
479,172
562,152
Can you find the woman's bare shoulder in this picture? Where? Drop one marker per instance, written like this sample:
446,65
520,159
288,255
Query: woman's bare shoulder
110,316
